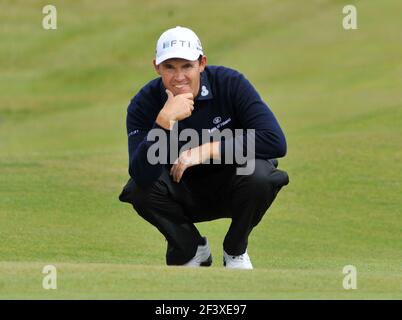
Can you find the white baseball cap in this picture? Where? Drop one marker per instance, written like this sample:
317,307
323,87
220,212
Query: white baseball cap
178,42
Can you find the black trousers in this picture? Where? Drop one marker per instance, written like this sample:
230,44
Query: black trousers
173,208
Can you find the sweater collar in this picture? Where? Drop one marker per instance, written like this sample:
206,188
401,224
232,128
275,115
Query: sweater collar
205,92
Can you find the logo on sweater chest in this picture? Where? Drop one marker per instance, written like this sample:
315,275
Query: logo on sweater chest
217,120
218,123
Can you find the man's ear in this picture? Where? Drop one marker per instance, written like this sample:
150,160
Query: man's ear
203,63
156,67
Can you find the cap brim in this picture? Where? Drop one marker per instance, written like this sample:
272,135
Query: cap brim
178,54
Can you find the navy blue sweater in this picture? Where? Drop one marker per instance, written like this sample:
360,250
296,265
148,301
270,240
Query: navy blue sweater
226,100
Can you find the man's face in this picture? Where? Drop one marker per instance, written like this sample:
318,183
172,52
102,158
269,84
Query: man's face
180,75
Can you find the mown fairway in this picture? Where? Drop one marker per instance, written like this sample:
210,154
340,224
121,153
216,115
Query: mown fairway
63,152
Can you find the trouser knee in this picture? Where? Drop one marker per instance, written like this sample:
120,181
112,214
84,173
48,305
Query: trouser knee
265,177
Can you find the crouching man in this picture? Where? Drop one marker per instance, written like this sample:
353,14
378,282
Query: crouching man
183,170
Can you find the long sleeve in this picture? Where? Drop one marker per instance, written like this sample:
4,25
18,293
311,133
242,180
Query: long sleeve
141,115
252,113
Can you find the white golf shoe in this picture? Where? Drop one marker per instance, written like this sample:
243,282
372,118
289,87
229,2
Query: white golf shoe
237,262
202,258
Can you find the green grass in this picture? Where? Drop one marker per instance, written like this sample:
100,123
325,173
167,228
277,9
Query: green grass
63,153
129,281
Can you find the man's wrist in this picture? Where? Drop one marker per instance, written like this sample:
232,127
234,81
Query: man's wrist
214,149
164,121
